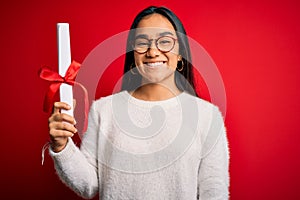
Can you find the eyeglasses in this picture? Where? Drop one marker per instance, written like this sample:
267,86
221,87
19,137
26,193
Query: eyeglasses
164,44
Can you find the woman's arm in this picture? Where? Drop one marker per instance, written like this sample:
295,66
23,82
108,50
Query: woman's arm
213,177
77,168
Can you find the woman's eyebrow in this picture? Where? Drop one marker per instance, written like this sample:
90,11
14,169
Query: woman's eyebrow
142,36
160,34
166,33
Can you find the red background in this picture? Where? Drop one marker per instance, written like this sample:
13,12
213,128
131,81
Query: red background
255,45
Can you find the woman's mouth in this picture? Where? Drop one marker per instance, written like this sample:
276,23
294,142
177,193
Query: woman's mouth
154,64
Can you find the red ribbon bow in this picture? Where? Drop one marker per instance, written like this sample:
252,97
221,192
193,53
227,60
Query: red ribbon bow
56,80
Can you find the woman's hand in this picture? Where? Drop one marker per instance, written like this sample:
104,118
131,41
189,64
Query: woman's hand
61,126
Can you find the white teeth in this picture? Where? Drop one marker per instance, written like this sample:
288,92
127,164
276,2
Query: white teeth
154,64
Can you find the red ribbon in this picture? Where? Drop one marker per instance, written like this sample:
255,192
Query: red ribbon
56,80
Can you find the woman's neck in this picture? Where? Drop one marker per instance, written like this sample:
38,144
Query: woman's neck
155,92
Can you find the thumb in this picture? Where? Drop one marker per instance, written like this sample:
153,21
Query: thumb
74,104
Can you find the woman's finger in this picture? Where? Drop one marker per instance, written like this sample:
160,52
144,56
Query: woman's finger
57,134
60,105
62,126
58,117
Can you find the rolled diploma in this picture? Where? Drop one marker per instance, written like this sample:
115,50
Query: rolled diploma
64,61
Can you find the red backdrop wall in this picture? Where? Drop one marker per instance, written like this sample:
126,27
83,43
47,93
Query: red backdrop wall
255,45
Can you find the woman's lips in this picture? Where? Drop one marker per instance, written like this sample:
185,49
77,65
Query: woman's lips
154,64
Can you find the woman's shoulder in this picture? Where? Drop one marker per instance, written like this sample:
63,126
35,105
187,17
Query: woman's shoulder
107,100
202,103
205,108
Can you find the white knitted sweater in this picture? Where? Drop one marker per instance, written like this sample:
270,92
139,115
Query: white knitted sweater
135,149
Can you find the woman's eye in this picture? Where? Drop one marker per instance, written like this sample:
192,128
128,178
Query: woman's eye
142,44
164,42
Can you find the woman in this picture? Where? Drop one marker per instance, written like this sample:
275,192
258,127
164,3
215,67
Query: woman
153,140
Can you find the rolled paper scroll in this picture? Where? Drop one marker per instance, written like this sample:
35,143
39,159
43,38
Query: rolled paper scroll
64,61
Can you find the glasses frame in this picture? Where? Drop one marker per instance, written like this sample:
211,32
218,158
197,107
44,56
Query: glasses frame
156,44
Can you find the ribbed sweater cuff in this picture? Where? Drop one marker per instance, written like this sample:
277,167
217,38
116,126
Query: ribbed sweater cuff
66,153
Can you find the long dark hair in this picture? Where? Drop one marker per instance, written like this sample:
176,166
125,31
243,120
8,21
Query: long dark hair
184,79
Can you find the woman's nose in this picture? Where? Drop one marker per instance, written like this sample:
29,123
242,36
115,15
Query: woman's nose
152,51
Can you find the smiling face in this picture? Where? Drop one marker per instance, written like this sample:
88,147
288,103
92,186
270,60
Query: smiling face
155,64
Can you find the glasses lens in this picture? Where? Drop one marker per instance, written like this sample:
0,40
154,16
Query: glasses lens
141,45
165,44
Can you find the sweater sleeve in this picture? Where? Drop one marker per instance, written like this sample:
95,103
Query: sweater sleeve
213,176
77,168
